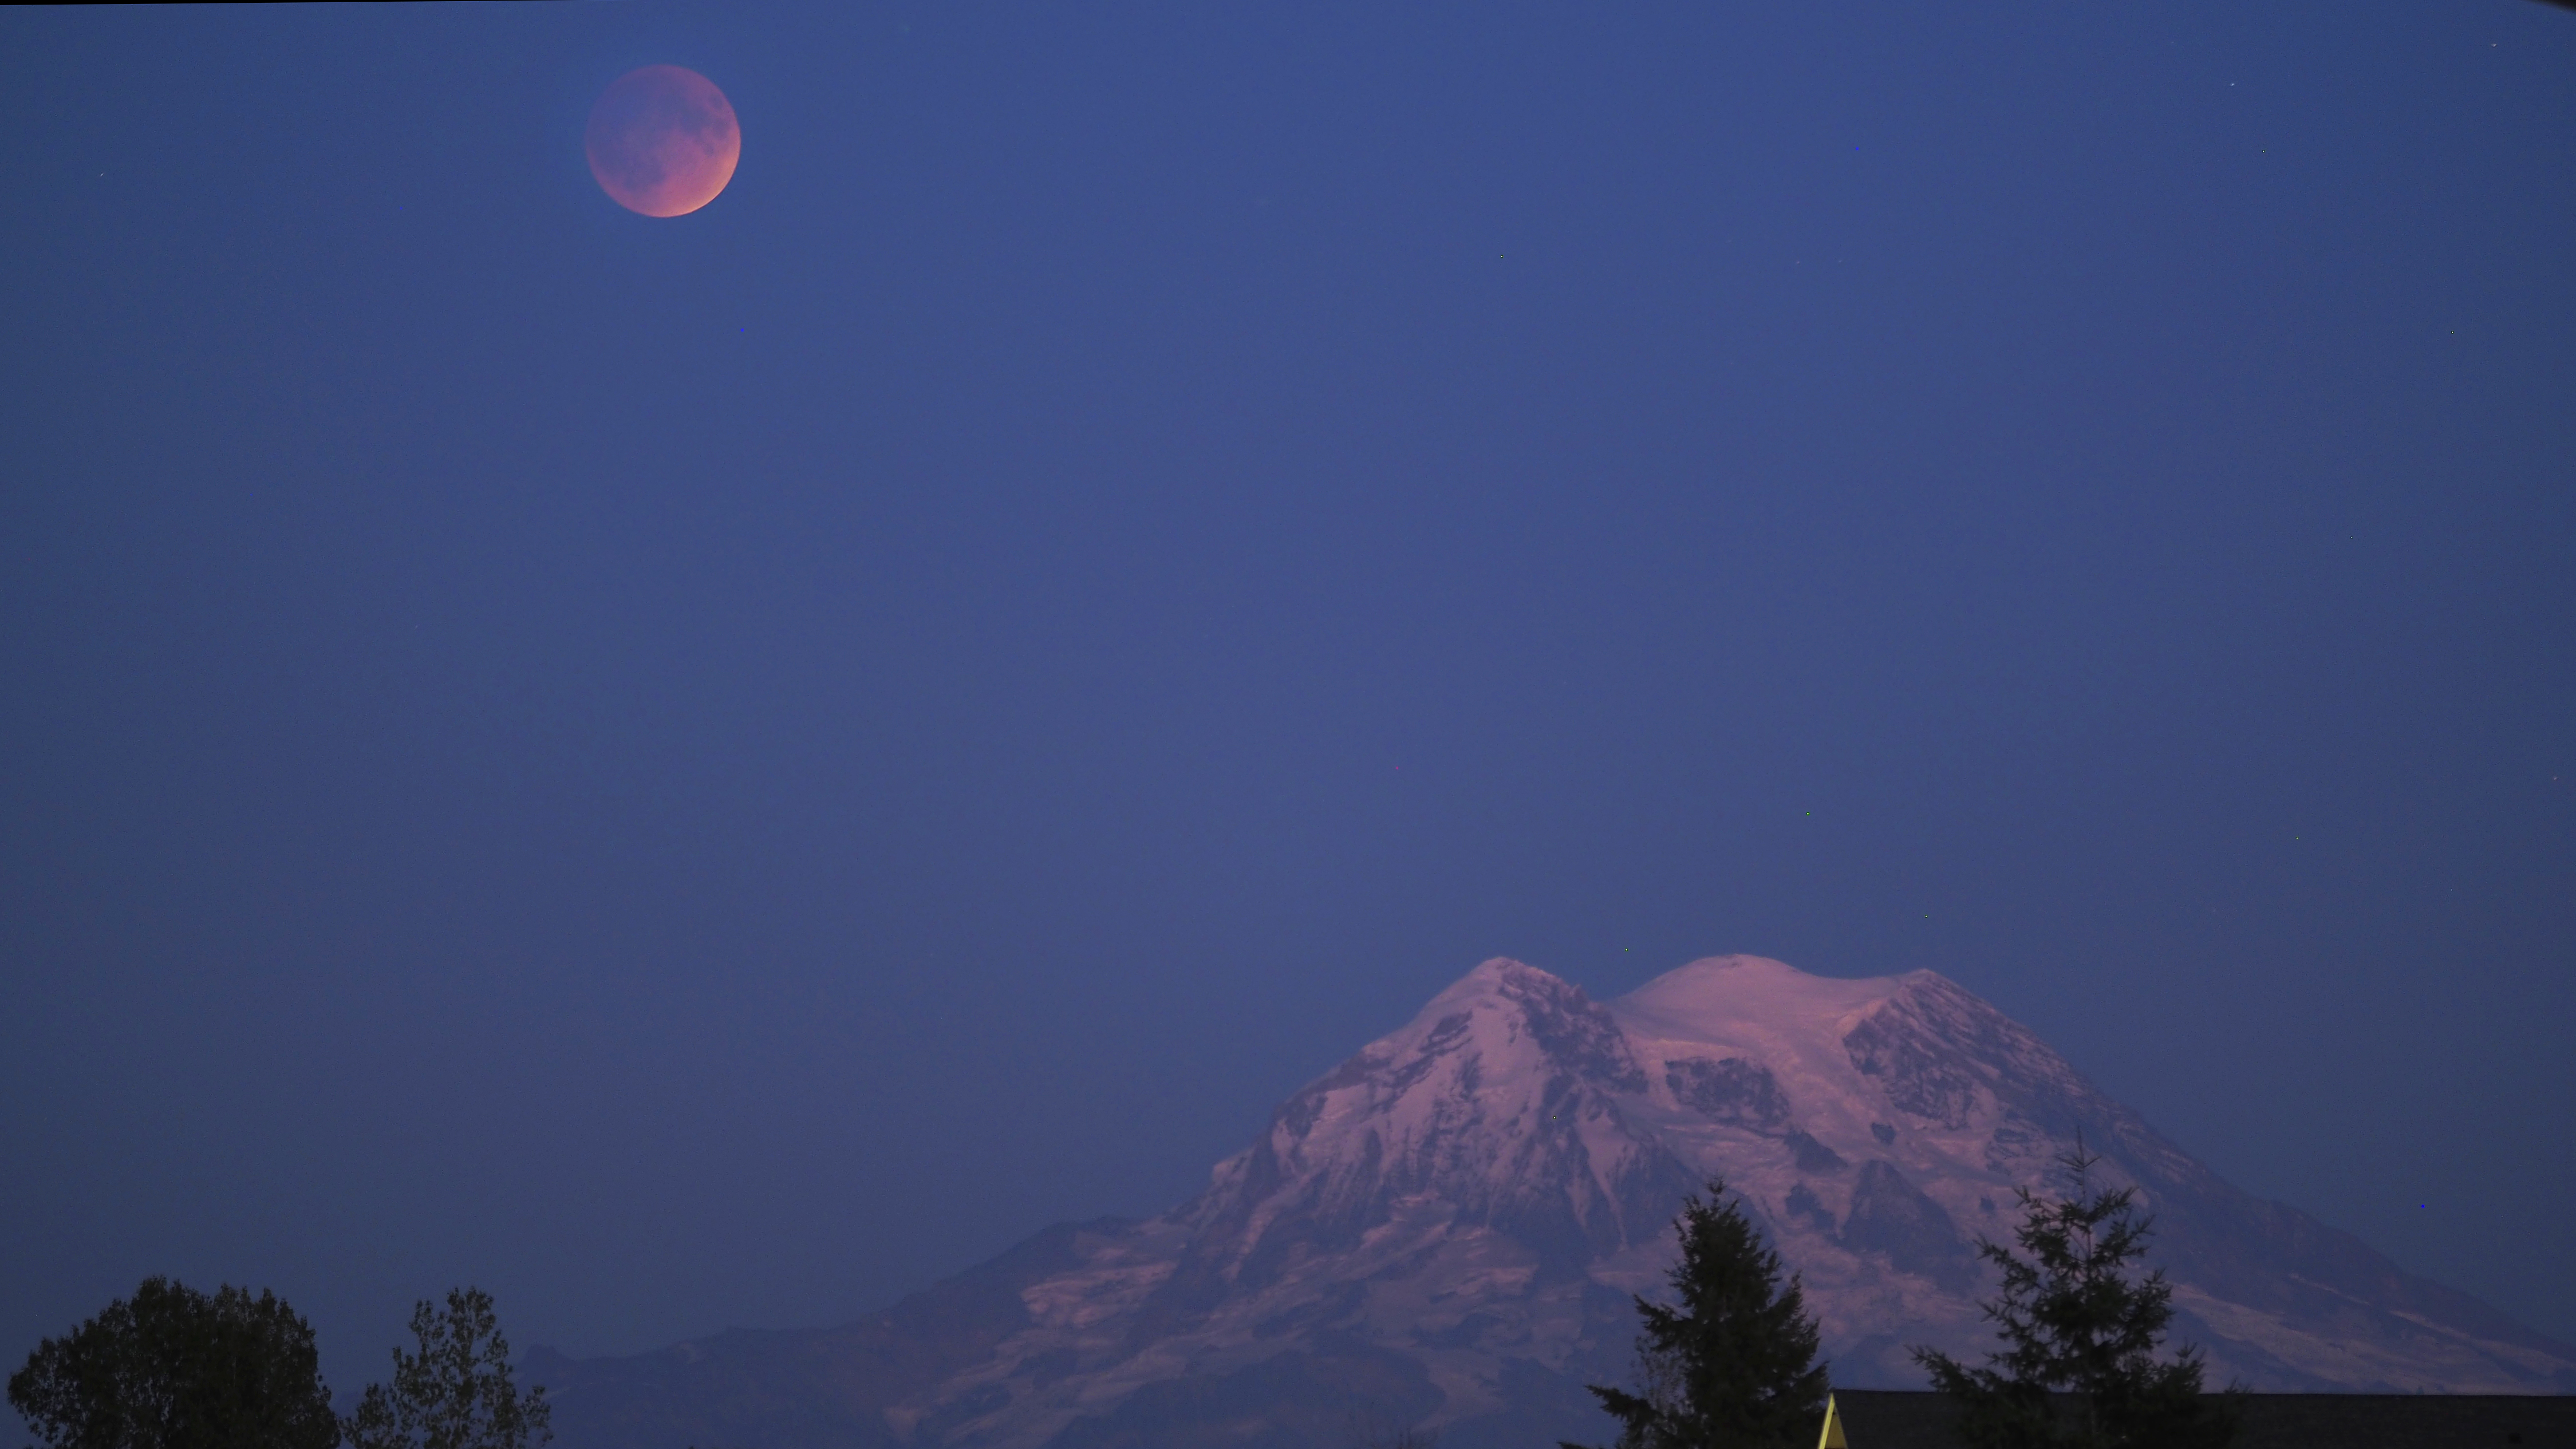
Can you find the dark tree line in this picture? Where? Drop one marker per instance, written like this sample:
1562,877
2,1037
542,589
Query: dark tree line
1731,1363
173,1368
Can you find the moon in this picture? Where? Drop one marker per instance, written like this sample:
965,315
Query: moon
662,140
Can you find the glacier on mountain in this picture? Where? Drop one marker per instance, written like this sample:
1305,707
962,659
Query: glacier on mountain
1446,1230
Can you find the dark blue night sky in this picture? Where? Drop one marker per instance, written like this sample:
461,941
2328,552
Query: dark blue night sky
715,771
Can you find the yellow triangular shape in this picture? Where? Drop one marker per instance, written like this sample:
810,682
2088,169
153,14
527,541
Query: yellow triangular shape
1833,1436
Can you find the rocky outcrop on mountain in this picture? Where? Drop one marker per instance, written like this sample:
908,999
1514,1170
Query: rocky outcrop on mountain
1446,1230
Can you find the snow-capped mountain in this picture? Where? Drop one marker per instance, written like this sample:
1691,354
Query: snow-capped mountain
1447,1229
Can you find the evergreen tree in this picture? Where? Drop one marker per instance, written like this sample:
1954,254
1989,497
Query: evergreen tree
171,1368
2075,1320
1733,1364
456,1391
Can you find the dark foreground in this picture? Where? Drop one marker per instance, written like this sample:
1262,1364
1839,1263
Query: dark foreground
1890,1419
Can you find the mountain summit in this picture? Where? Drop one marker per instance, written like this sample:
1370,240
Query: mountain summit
1446,1229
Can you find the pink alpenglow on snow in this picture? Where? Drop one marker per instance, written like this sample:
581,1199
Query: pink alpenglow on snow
1454,1219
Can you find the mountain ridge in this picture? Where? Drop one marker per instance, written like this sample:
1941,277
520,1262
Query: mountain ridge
1447,1227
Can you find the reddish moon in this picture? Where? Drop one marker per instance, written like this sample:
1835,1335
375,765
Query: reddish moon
663,140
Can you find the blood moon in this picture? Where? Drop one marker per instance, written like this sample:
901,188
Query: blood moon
663,140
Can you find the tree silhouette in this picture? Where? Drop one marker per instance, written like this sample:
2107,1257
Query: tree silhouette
1734,1363
2075,1320
455,1392
171,1368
